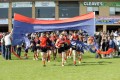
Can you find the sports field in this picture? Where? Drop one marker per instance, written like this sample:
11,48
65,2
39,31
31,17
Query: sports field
89,69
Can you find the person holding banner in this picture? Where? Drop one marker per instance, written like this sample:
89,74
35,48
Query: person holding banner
8,43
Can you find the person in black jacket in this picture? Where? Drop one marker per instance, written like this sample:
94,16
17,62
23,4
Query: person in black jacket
98,39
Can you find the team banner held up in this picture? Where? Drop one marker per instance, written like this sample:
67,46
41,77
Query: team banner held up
23,25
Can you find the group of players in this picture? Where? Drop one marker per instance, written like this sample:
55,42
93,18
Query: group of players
48,43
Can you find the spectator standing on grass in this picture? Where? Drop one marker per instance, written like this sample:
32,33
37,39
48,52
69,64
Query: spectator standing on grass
3,45
98,38
8,43
118,45
111,45
1,35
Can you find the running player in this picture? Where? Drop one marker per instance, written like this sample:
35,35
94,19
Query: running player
48,47
74,50
37,41
53,39
61,48
43,46
34,49
67,44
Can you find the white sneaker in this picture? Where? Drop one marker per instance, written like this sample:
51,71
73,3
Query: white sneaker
65,61
34,59
116,55
110,56
67,57
49,61
62,64
79,62
70,57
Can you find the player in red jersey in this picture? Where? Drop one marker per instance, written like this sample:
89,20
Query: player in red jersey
61,48
34,49
37,42
67,44
49,47
74,50
53,38
43,46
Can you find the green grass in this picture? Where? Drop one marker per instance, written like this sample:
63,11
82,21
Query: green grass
90,69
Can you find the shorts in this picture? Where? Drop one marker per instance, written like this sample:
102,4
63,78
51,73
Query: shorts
78,50
43,49
34,48
0,48
61,49
48,48
73,47
38,47
26,50
67,47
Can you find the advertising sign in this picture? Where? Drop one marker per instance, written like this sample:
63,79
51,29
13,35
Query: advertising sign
108,20
117,4
92,3
45,4
3,21
21,4
4,5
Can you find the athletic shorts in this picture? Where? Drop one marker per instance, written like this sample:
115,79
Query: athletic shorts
61,49
38,47
67,47
48,48
26,50
78,50
43,49
0,48
73,47
34,48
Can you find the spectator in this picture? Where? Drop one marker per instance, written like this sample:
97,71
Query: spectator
8,43
3,45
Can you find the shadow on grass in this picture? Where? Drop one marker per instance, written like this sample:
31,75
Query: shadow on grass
86,63
116,57
96,63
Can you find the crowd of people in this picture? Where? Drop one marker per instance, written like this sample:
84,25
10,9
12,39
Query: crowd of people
107,40
47,43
